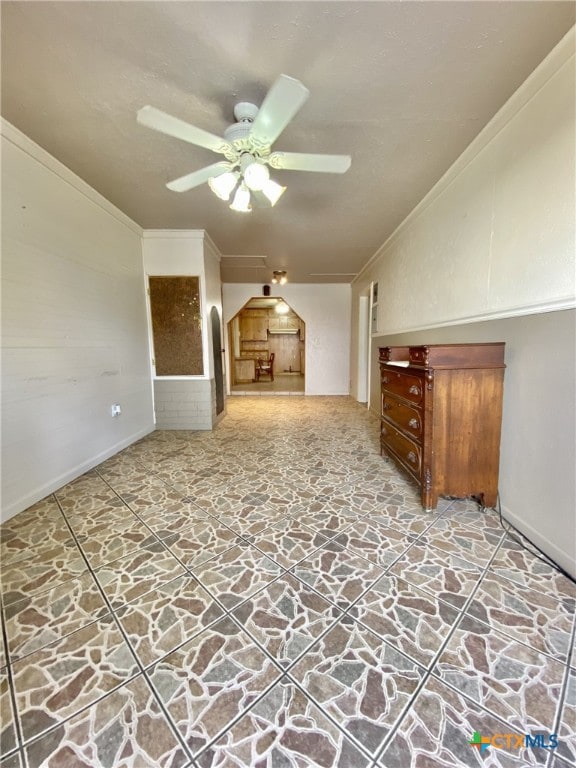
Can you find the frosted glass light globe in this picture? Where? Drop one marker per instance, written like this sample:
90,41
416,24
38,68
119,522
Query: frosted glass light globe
255,176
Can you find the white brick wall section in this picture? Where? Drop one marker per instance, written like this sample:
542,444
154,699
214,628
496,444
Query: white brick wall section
184,404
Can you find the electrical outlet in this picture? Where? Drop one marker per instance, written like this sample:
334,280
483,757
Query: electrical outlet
115,410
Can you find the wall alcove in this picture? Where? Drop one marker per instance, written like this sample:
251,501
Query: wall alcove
176,325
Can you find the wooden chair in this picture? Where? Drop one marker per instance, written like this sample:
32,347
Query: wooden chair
265,367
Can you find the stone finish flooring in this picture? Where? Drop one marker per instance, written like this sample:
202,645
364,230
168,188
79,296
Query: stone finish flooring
271,595
283,384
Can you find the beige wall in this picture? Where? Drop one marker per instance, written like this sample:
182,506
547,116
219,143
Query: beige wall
495,237
489,255
538,448
326,311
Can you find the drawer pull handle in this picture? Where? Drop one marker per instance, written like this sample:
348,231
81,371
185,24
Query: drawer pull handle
386,407
411,457
385,379
414,390
413,423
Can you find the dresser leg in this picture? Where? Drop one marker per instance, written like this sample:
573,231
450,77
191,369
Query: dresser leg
487,499
429,496
429,500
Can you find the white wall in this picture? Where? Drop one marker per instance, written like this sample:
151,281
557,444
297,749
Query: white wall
74,326
189,401
179,252
212,258
326,311
495,239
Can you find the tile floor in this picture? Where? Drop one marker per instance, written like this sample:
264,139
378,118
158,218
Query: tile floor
283,384
271,595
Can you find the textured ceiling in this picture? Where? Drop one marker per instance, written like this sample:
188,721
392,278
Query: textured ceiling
403,87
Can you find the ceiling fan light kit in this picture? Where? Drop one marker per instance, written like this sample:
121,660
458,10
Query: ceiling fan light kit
247,146
224,185
279,276
255,173
241,202
273,191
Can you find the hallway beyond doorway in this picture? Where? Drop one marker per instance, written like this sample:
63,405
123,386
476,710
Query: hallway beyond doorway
266,326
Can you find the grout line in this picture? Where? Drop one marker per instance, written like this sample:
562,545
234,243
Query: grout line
145,670
250,540
358,624
432,664
11,688
228,611
562,698
313,642
238,717
131,650
284,671
16,713
153,533
430,670
259,697
558,600
348,736
283,679
331,600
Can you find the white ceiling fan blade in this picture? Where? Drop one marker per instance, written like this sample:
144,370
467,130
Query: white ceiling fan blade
282,102
173,126
194,179
302,161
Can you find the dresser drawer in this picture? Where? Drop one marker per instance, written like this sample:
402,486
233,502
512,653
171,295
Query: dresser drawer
418,355
440,417
407,451
403,415
402,384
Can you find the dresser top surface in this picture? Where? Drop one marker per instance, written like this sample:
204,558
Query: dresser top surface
482,355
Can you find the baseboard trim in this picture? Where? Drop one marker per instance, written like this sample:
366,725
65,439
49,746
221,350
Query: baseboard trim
551,550
45,490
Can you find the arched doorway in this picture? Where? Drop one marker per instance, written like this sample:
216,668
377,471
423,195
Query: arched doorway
265,326
217,352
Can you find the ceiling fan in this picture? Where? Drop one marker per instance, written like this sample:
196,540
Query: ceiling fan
247,147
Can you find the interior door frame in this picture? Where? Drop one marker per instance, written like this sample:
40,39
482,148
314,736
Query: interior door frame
217,352
363,361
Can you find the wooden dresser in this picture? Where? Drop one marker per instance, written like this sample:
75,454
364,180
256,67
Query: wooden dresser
440,417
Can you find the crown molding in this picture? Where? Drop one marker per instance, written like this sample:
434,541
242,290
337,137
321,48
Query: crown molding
557,305
174,234
560,56
10,133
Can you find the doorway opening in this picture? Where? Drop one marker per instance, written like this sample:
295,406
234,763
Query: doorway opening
218,362
363,360
267,329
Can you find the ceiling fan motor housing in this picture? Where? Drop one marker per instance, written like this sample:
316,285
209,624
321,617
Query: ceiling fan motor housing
247,145
244,110
238,134
245,113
